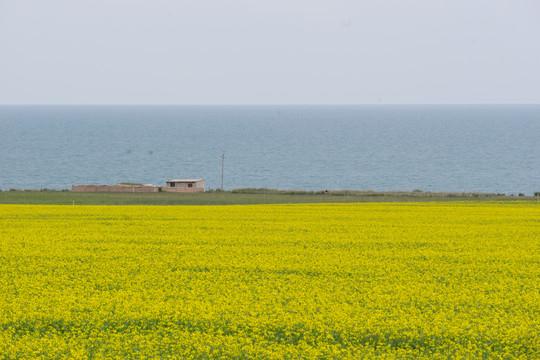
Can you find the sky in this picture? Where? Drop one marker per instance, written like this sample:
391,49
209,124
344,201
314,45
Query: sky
269,52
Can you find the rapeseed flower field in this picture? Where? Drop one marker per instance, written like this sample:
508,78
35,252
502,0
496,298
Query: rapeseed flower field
323,281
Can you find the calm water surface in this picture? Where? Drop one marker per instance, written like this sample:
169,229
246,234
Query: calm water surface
435,148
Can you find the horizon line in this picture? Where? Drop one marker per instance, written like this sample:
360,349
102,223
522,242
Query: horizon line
277,104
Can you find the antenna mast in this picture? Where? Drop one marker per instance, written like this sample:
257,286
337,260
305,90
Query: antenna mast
222,168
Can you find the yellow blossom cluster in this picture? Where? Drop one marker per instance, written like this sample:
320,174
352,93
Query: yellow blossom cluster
319,281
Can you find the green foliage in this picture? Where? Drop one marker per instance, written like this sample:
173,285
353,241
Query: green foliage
237,196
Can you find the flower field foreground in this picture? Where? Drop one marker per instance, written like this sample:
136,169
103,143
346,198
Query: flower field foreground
337,281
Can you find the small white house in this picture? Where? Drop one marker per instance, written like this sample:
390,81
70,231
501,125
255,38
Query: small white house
194,185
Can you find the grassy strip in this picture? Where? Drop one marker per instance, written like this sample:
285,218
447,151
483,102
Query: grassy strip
238,197
408,194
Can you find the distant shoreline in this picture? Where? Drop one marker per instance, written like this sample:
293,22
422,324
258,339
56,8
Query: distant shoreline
244,196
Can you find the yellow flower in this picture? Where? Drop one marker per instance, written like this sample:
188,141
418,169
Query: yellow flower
342,281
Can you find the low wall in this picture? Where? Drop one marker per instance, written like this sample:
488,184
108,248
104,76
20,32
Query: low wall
182,190
114,188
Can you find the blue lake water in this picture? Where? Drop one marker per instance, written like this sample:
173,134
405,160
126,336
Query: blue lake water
432,148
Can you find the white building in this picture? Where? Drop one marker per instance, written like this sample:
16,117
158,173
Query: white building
185,185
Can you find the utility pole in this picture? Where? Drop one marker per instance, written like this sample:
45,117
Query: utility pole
222,168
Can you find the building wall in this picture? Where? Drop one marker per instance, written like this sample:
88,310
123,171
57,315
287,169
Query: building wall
179,185
133,189
198,184
182,189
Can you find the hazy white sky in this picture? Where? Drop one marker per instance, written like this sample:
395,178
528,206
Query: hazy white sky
269,52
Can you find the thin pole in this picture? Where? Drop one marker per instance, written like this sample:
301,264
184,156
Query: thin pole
222,168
